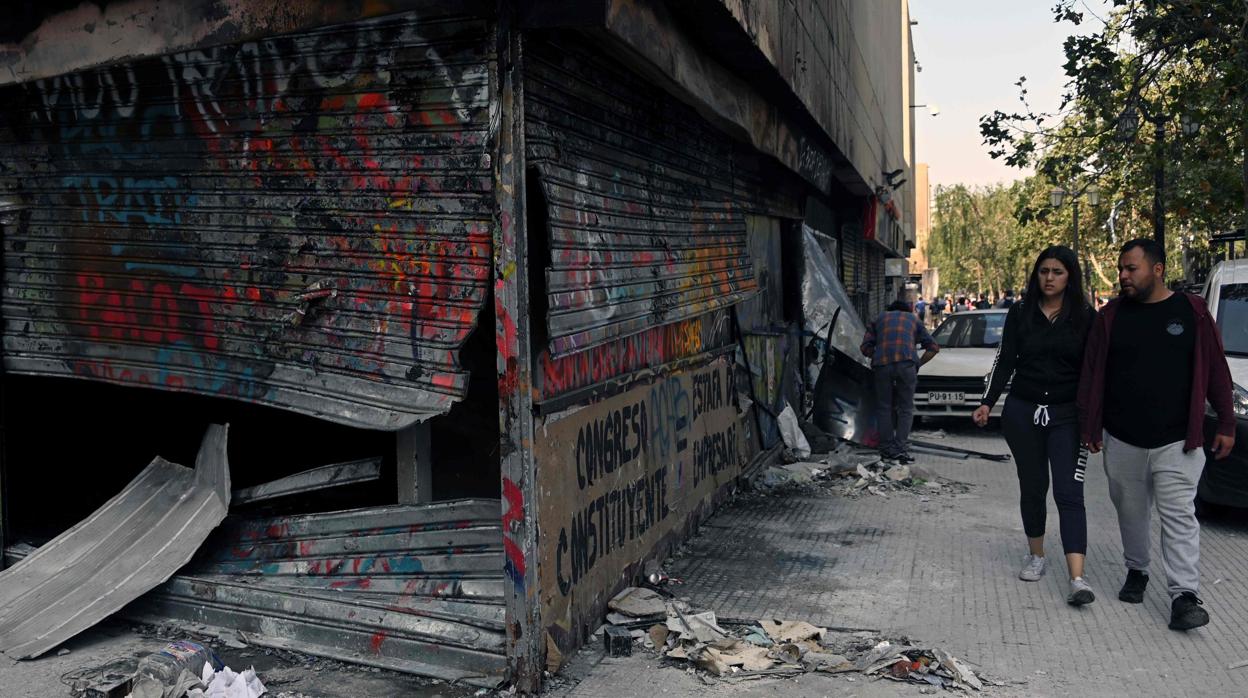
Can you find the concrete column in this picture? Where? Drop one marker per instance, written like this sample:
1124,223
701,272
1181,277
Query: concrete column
525,637
413,466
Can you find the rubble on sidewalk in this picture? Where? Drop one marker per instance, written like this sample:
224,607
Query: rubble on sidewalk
850,471
743,650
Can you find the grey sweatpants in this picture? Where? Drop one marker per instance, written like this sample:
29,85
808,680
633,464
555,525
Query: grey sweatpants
1138,476
894,395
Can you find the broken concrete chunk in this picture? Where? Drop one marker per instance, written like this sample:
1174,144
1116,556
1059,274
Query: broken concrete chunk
699,626
637,602
898,473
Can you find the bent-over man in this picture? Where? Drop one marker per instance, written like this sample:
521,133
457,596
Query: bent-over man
890,342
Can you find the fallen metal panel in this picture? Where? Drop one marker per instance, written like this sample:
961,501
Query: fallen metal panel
338,628
137,540
303,221
320,478
644,224
414,588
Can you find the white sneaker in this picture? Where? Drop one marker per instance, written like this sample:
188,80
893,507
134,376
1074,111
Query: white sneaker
1080,592
1033,568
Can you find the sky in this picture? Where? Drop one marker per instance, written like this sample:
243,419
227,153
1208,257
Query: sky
972,52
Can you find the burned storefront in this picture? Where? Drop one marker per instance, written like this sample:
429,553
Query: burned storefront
291,235
494,313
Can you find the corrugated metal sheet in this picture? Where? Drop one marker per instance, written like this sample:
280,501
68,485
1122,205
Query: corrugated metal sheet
326,476
136,541
414,588
644,224
303,221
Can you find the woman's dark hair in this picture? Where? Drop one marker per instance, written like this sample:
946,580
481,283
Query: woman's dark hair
1074,303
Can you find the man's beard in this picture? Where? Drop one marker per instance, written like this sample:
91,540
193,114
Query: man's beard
1141,292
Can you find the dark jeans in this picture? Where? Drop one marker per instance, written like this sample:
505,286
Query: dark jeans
894,399
1038,449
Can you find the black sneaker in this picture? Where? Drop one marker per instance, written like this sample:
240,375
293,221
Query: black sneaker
905,459
1186,612
1133,589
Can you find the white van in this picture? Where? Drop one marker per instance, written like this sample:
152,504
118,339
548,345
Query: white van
1225,482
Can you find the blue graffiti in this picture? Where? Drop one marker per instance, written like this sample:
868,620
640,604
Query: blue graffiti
670,418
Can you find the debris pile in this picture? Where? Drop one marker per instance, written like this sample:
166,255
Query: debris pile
933,667
881,478
851,471
737,650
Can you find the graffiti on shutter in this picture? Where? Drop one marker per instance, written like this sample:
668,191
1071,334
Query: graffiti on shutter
644,227
302,221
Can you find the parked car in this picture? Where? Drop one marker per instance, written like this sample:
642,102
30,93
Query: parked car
1225,482
952,383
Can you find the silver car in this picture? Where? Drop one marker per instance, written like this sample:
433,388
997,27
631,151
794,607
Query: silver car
952,383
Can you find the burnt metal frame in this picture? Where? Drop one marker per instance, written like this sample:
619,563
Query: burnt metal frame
514,361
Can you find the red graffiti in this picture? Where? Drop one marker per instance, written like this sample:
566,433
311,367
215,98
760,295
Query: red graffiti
649,349
513,517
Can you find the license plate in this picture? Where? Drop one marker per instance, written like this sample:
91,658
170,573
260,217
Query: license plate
946,398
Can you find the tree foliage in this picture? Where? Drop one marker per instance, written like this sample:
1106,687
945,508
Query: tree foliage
1134,76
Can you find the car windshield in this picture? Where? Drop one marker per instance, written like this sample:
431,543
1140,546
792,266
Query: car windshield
982,330
1233,318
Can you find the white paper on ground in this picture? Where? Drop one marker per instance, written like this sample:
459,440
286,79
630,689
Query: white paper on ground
791,432
228,684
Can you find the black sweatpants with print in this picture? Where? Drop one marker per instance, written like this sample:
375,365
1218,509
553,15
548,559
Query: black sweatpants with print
1044,439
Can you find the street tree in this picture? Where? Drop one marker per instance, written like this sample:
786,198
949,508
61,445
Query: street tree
1155,112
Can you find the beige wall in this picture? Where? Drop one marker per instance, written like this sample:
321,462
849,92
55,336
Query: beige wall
922,219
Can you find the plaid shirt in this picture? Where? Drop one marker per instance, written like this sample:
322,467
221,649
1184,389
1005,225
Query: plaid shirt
892,337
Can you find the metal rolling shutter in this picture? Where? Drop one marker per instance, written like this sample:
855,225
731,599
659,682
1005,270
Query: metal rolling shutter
644,226
303,221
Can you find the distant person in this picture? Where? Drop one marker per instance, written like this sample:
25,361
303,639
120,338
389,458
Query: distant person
938,309
920,309
890,342
1008,300
983,303
1042,351
1154,358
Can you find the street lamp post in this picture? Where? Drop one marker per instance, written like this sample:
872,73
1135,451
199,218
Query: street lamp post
1128,126
1056,198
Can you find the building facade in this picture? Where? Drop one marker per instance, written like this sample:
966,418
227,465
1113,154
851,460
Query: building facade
540,258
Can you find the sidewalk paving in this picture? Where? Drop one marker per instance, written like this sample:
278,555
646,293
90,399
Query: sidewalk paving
943,573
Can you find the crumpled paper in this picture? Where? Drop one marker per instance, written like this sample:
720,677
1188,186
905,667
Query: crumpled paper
228,684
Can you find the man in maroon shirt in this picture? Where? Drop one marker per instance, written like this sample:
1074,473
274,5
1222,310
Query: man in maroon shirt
1153,359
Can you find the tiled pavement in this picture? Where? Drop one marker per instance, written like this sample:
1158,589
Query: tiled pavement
943,573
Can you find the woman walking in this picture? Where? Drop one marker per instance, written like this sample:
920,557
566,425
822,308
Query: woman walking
1042,348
